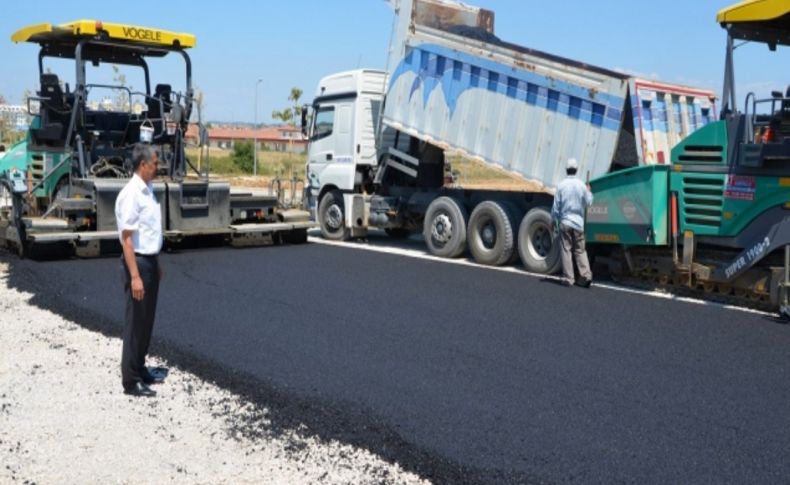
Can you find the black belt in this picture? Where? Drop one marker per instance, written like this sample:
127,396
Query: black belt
146,255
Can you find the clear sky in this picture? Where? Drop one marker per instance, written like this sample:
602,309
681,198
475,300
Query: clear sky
293,43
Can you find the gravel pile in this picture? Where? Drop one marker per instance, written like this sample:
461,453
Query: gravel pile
65,419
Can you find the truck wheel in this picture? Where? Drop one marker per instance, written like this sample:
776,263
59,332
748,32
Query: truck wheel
331,217
537,246
490,234
444,229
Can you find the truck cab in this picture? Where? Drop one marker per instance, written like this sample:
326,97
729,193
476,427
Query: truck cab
342,133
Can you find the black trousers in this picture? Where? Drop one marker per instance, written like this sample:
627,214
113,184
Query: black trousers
139,321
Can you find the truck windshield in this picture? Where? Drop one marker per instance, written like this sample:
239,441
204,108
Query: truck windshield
324,122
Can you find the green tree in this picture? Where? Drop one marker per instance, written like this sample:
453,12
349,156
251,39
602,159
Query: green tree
243,156
286,115
296,93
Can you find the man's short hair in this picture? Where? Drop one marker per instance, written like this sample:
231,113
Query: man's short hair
142,152
571,171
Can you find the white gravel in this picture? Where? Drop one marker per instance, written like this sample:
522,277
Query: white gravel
65,419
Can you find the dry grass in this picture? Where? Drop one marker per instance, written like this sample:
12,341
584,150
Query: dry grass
270,164
470,174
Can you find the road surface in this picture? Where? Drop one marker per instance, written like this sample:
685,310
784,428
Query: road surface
463,373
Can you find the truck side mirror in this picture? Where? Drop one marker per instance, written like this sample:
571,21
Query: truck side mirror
304,120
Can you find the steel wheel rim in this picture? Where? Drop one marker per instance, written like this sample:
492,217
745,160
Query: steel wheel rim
441,229
488,234
540,243
334,217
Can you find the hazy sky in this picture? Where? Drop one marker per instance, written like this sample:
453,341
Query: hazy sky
296,42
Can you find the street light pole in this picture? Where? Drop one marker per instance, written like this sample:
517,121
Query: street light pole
255,132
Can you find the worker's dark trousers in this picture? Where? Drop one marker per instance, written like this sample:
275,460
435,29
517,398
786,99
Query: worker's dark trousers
139,318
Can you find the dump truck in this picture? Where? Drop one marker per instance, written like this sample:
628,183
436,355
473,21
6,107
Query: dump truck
64,177
379,145
684,199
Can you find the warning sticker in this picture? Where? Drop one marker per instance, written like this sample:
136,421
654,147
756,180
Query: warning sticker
740,187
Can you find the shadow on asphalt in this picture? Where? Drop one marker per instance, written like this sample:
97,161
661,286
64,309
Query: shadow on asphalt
776,319
282,412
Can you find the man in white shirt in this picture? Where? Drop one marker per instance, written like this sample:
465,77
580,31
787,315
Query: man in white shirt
571,201
139,220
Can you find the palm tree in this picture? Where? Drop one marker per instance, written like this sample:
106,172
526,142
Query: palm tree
286,115
296,93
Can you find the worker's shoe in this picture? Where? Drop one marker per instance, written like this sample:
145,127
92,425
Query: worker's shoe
564,282
584,283
139,389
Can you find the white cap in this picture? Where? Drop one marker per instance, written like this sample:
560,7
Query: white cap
571,164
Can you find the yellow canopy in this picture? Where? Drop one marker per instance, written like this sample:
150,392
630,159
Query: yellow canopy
754,11
133,34
759,20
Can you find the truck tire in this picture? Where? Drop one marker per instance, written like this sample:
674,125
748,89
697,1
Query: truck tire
490,234
332,216
444,228
537,246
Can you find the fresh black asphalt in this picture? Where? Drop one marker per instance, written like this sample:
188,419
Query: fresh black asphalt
462,373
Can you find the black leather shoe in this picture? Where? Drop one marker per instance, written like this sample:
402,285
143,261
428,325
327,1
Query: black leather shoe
584,283
139,389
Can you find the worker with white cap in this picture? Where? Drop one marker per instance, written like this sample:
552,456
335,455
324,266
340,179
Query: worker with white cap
571,201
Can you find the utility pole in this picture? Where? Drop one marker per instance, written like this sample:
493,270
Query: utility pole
255,132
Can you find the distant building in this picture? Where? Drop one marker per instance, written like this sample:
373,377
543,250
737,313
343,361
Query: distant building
16,116
276,138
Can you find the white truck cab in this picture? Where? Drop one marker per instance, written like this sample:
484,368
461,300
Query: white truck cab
345,114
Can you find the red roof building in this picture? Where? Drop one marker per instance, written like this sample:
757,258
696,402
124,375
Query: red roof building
277,138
